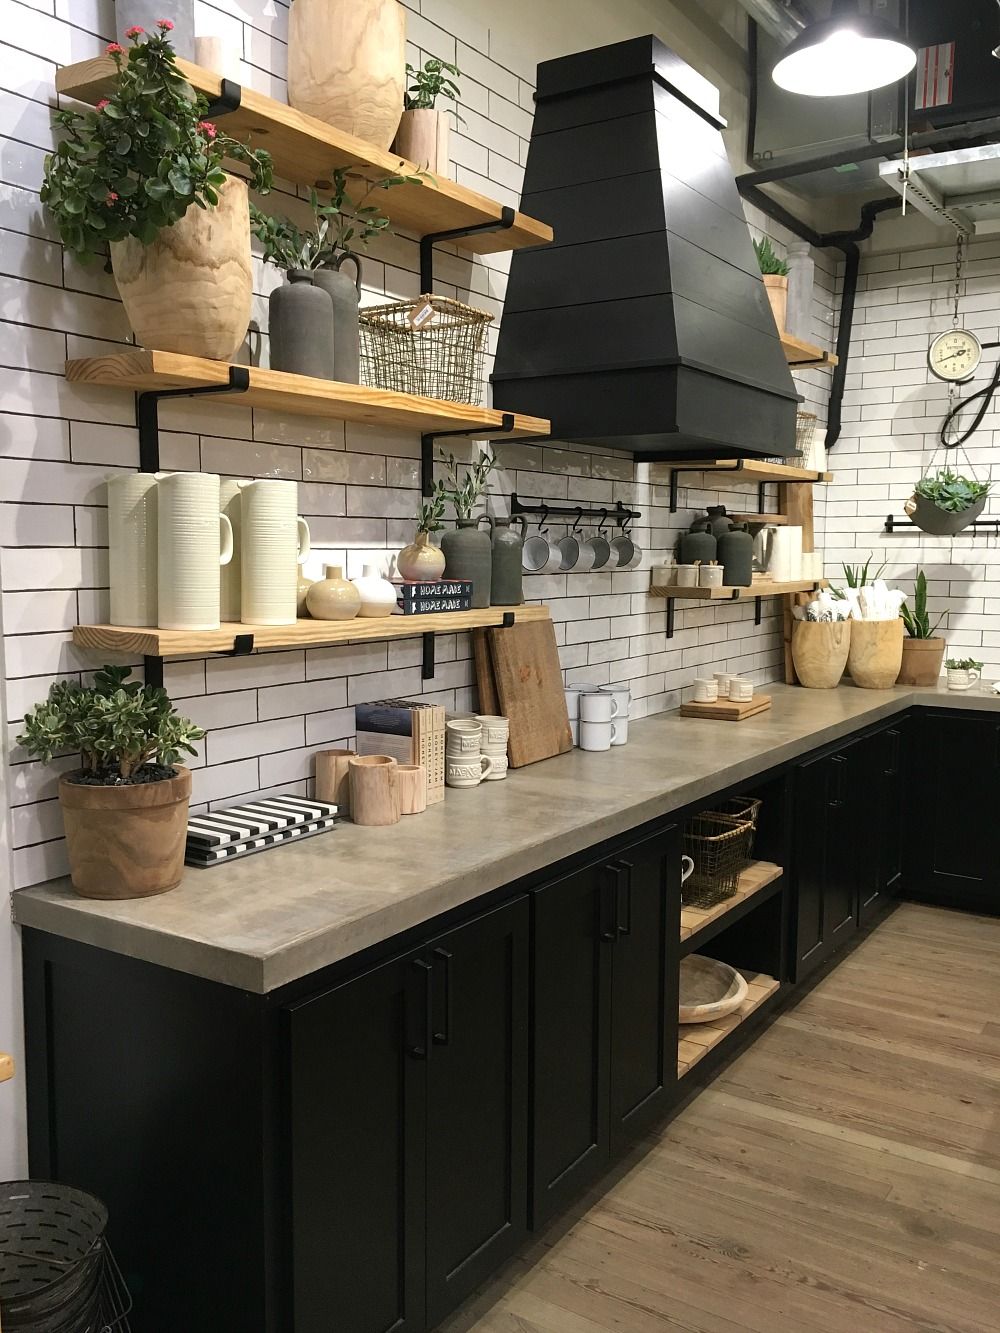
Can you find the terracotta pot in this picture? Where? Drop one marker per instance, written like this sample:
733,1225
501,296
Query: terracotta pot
819,651
421,561
876,653
126,842
423,138
347,64
777,294
190,290
922,660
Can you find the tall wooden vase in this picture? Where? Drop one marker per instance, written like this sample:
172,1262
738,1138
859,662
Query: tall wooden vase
819,651
347,64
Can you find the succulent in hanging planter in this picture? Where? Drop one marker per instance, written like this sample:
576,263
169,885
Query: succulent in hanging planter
422,561
945,503
424,130
140,178
774,272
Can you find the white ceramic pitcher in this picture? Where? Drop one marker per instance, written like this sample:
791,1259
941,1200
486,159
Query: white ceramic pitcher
132,555
231,504
274,541
193,540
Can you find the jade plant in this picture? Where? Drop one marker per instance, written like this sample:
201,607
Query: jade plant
125,731
917,618
769,262
138,161
963,664
433,80
464,492
950,491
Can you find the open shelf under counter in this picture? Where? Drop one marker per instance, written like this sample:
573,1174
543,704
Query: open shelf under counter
727,593
695,1040
698,922
306,150
800,355
231,638
142,371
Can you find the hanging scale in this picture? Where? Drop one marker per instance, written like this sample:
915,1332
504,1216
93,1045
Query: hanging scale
954,355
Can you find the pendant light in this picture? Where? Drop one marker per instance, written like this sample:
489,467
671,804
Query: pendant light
849,52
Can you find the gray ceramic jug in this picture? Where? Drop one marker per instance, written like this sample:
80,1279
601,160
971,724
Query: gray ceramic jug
468,554
345,294
299,317
698,544
506,588
718,523
736,555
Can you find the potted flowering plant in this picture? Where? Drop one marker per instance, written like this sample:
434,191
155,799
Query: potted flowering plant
140,178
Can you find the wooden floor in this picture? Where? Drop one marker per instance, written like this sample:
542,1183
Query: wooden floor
842,1176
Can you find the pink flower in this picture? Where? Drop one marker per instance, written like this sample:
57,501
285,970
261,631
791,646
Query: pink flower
134,31
166,25
115,49
110,198
207,129
101,104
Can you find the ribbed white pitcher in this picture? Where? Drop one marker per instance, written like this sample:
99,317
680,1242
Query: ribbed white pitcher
231,504
132,556
274,541
194,539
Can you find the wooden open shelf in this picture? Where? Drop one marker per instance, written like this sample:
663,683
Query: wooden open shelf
777,520
749,469
154,642
298,395
755,878
800,354
727,593
306,151
695,1040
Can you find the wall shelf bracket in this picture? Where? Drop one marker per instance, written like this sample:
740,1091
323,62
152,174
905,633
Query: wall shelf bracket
147,416
427,666
427,243
427,447
230,99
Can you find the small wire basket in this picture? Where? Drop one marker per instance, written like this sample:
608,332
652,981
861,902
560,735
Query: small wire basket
719,845
746,808
441,357
805,429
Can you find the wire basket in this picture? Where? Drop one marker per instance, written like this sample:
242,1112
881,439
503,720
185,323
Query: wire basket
441,358
805,429
746,808
719,846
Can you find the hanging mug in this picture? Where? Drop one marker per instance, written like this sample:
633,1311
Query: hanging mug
687,868
193,540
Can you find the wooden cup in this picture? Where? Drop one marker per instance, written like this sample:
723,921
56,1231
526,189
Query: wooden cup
333,778
876,653
374,790
412,782
819,651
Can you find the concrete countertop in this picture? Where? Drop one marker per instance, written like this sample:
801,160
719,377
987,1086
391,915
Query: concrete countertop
271,918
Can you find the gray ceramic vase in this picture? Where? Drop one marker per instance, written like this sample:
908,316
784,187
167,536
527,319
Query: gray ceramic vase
736,556
698,544
345,293
145,13
718,523
299,325
506,588
468,554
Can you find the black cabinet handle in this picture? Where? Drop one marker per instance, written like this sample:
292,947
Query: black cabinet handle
893,768
609,906
623,895
420,1007
840,768
443,1035
996,751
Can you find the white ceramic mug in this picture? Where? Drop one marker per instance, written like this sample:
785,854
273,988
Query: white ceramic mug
499,770
705,691
624,696
740,690
231,504
600,548
275,541
496,731
540,556
573,704
193,541
132,555
463,736
598,706
722,679
597,735
576,554
961,679
687,868
467,771
625,553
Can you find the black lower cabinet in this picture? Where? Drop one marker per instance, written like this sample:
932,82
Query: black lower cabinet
882,810
604,1027
826,856
408,1131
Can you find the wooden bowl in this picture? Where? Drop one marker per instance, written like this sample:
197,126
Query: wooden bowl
709,989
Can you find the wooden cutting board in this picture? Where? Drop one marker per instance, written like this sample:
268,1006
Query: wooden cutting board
530,691
725,711
489,704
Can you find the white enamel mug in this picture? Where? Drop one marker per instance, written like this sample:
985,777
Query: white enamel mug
687,868
540,556
598,706
132,554
598,735
625,553
576,554
275,541
623,694
193,540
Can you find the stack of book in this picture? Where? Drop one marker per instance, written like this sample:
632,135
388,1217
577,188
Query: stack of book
419,599
410,731
240,830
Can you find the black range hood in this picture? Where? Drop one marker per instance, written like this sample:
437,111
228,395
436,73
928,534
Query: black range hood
645,325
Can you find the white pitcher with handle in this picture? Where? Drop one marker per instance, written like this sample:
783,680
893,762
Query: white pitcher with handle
274,541
230,502
132,556
193,541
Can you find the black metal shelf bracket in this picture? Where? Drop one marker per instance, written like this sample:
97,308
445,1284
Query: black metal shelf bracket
469,432
427,666
243,646
428,242
230,99
147,416
902,527
733,597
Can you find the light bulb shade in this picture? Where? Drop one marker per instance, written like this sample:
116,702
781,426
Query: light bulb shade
848,53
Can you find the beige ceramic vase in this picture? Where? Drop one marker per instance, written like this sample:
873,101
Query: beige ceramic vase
333,598
347,65
421,561
190,290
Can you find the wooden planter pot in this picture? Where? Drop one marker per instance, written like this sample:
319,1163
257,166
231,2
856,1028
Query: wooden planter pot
922,660
190,290
126,842
819,650
423,138
777,294
876,653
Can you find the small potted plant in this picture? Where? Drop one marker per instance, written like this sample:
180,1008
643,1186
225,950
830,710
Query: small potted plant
423,131
774,271
963,672
468,552
923,652
422,561
125,810
140,178
946,503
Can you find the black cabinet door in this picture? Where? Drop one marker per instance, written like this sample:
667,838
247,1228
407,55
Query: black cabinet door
644,981
840,897
952,858
573,937
812,781
879,820
477,1103
827,855
358,1082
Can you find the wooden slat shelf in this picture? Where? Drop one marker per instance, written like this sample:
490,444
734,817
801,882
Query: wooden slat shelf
761,588
154,642
298,395
749,469
755,878
776,520
306,150
799,354
695,1040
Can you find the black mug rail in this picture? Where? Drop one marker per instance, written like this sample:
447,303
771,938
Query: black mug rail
617,513
902,527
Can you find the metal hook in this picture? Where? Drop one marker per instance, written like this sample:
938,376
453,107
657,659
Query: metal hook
544,519
604,519
579,518
624,518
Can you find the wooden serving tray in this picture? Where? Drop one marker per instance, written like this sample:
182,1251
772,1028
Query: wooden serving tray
725,711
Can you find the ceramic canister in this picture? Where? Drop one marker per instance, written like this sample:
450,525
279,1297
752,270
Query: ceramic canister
231,504
132,548
275,541
193,540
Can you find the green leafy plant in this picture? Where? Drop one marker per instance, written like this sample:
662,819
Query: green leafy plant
963,664
767,260
951,492
138,161
858,576
119,726
431,510
465,491
341,225
916,618
429,83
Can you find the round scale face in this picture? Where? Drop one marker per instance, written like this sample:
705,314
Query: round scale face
954,355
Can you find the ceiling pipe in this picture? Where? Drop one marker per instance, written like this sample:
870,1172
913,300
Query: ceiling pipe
782,20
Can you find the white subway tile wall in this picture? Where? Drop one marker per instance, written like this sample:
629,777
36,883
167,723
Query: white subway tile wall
267,715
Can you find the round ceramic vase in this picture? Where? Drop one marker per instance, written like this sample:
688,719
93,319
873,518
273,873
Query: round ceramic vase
333,598
275,541
507,548
421,561
132,558
378,596
193,540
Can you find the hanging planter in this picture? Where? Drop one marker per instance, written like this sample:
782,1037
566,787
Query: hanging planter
946,503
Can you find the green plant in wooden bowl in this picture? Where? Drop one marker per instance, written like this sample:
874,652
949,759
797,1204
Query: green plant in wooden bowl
423,133
774,272
923,651
946,502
